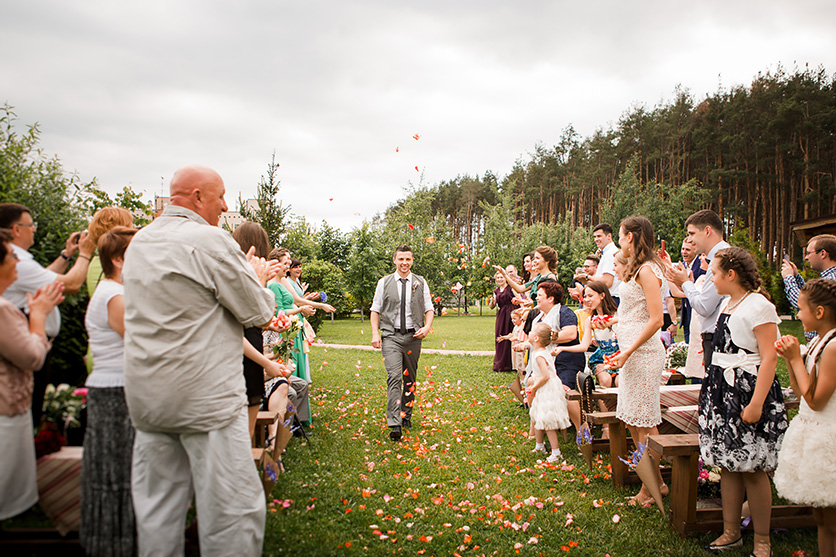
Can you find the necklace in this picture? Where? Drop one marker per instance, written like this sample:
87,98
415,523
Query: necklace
731,307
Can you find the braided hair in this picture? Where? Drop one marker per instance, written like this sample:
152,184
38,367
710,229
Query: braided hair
820,292
741,262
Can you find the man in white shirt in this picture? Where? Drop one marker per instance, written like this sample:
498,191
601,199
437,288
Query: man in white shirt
602,234
705,232
31,276
401,316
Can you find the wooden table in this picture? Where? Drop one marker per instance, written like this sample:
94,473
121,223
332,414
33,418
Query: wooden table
59,488
684,451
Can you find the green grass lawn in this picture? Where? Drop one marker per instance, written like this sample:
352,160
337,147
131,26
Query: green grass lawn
450,332
462,482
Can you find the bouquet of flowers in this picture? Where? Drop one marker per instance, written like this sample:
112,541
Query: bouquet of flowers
584,441
290,327
641,460
708,481
677,355
610,362
61,411
600,321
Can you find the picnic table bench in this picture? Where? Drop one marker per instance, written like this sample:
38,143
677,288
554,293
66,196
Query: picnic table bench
683,451
679,415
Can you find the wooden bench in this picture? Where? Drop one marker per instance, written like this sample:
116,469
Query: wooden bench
265,420
683,451
620,445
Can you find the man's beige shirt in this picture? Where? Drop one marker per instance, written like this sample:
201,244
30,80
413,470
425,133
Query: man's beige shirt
189,291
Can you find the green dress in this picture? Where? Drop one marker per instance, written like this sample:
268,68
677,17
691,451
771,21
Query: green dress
284,301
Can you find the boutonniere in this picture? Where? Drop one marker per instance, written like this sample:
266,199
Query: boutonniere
415,285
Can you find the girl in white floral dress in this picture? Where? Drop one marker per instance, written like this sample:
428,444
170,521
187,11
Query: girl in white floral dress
741,409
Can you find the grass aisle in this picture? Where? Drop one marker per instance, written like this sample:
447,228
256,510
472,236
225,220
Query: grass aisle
461,482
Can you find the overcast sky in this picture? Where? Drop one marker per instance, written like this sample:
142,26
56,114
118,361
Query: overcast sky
129,92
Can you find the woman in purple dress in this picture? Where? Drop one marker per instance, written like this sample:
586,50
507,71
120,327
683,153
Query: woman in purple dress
501,299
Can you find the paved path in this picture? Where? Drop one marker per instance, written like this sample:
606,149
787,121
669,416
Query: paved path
423,350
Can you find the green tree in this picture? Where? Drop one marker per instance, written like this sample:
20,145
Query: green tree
367,263
271,214
333,245
127,199
324,276
58,203
299,238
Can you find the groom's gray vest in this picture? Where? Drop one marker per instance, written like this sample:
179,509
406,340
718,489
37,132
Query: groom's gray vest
391,310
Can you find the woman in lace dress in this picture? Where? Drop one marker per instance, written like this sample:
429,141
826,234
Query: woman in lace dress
642,357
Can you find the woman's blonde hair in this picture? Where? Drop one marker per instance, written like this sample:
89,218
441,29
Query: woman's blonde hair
105,219
543,333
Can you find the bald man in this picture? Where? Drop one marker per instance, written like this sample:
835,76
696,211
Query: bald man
189,291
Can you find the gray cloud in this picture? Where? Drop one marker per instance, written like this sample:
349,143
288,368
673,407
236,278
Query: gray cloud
128,93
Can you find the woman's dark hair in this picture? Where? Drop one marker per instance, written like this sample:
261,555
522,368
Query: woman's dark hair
6,237
608,305
250,234
294,263
741,262
526,275
549,255
820,292
643,245
112,245
552,289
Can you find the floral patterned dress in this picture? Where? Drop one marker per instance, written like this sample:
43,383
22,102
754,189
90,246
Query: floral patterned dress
729,384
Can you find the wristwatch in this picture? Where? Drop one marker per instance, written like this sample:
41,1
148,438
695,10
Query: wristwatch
64,257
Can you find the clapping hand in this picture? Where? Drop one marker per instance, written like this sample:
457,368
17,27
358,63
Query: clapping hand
676,274
264,270
46,298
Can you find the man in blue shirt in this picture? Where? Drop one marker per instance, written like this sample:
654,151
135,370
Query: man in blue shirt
821,255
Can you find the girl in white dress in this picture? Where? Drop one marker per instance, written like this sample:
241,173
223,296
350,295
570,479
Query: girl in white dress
742,419
545,393
806,471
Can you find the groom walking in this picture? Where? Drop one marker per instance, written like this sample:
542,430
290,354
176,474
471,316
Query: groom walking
401,315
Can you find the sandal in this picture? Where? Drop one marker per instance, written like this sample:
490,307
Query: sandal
715,547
